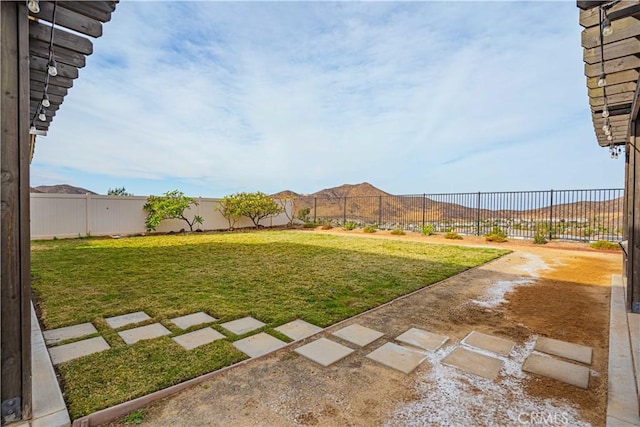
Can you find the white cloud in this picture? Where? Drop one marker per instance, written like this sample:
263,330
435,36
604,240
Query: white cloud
265,96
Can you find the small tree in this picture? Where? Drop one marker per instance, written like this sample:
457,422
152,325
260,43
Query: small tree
289,213
118,191
171,205
229,207
257,206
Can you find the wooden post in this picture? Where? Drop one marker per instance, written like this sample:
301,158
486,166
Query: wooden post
15,284
632,196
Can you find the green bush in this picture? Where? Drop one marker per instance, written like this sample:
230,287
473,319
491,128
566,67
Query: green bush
427,229
326,226
496,235
452,235
539,239
350,225
303,214
605,244
369,229
171,205
398,232
309,224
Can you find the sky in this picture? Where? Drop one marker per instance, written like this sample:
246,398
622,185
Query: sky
213,98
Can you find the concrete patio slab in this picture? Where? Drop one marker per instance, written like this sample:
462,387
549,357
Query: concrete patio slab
127,319
577,352
242,326
489,343
422,339
358,335
66,352
298,329
197,338
324,351
474,363
47,404
132,336
184,322
54,336
397,357
259,344
559,370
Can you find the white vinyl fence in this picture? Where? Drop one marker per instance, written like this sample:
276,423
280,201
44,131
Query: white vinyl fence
74,215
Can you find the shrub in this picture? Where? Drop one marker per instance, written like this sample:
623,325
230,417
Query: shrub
496,235
350,225
539,238
452,235
427,229
303,214
171,205
229,207
605,244
369,229
309,224
398,232
257,206
326,226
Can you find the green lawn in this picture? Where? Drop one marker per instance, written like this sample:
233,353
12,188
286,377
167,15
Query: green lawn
274,276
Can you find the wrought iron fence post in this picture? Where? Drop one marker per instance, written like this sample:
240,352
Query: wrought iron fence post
424,208
344,214
478,214
315,209
379,211
551,216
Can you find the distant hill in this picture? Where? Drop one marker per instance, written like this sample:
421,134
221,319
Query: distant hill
60,189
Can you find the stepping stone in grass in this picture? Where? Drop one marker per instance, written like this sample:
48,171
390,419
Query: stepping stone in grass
127,319
298,329
242,326
423,339
560,370
53,336
577,352
184,322
358,335
397,357
474,363
324,351
197,338
489,343
155,330
66,352
259,344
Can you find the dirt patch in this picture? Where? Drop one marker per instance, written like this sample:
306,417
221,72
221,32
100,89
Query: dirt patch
531,292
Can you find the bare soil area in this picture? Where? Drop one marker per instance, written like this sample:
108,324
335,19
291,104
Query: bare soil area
559,290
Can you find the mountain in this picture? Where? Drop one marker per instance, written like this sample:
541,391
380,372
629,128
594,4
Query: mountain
348,190
60,189
286,194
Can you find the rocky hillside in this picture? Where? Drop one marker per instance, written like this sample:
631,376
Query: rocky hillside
60,189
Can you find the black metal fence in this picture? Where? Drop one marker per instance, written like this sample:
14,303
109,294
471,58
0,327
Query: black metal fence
583,215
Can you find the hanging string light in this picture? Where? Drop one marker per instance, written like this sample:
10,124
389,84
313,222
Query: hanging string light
52,66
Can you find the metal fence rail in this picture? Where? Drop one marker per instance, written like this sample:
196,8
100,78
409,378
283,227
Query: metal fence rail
582,215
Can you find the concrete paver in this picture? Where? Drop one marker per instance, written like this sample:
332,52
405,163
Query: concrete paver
184,322
422,339
155,330
358,335
577,352
559,370
489,343
474,363
298,329
127,319
397,357
53,336
242,326
66,352
259,344
197,338
324,351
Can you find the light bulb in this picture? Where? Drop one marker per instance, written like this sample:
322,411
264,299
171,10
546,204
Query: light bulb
42,117
606,126
605,113
607,131
602,81
45,101
606,27
610,138
33,6
52,68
